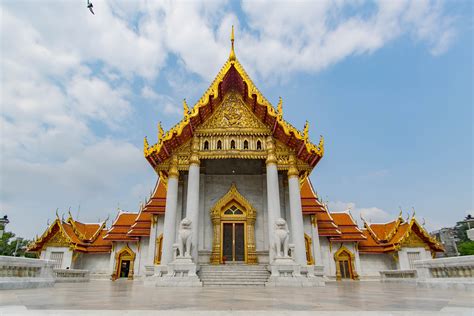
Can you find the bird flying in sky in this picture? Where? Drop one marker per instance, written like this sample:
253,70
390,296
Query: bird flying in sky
90,6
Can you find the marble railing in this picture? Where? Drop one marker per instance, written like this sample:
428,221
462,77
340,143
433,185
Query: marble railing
71,275
388,275
19,272
452,267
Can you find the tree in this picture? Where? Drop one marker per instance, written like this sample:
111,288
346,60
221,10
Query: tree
466,248
8,244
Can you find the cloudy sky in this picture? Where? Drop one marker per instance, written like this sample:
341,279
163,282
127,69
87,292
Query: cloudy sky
388,84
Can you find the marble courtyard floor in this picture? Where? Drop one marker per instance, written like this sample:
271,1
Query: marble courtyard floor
349,297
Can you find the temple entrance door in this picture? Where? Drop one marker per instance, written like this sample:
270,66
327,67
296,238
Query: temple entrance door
233,241
124,268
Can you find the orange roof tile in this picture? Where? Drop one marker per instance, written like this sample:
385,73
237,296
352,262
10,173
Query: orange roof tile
142,225
157,203
120,227
311,205
348,228
390,236
80,236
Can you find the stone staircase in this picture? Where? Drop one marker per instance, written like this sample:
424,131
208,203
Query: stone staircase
234,275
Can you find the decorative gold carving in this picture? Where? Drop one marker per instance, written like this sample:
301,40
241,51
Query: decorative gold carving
158,249
413,241
292,170
308,241
124,254
160,133
185,109
271,158
173,172
58,240
194,159
248,217
232,116
344,254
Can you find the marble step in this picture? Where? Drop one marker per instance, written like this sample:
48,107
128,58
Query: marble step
240,283
235,272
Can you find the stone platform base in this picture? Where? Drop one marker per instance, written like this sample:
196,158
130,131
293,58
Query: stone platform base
287,273
179,273
25,283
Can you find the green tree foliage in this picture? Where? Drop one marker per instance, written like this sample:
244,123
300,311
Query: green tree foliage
8,244
466,248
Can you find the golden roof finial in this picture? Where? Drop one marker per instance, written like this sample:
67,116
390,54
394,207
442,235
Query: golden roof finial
185,108
232,52
160,132
280,107
145,145
306,131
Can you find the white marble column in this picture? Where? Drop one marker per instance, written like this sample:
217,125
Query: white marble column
169,227
192,202
273,193
318,259
152,241
296,213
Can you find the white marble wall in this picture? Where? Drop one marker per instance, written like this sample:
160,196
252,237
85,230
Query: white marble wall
67,255
327,256
97,264
403,262
371,264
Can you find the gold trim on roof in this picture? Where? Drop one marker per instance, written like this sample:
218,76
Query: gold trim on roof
213,91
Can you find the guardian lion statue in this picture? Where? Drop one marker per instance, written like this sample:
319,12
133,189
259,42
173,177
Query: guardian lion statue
281,238
184,238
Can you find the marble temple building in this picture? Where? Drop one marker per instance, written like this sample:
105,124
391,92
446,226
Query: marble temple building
233,200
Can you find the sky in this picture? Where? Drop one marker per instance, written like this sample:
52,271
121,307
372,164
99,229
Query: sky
389,84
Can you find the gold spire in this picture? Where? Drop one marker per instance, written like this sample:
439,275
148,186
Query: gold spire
160,132
280,108
185,108
232,52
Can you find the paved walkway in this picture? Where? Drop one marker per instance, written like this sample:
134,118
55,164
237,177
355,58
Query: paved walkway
134,296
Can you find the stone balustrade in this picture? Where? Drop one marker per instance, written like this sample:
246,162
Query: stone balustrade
71,275
452,272
452,267
19,272
396,275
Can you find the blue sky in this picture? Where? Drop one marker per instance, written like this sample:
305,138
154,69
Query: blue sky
388,84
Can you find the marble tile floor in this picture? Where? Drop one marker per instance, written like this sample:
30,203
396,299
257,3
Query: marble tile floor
348,297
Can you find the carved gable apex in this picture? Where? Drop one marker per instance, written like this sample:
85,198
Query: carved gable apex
233,117
413,240
57,240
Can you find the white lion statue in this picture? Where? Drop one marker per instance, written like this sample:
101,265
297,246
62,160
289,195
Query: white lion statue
281,238
184,238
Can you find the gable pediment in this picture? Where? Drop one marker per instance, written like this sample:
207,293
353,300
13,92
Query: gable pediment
233,116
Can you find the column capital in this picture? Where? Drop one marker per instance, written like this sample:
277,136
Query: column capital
194,158
173,171
271,158
292,170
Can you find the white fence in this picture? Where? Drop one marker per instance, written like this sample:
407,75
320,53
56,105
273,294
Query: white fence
18,273
452,272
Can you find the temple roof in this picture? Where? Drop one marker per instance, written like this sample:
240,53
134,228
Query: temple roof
311,205
157,202
233,77
391,236
121,226
348,227
82,237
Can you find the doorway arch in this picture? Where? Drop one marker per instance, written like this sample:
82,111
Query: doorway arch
233,219
344,260
124,263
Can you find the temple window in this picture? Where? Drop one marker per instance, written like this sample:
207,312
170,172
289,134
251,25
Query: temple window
259,145
219,144
232,144
206,145
233,210
246,144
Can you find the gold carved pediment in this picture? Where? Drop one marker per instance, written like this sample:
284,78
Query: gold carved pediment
413,241
58,240
233,117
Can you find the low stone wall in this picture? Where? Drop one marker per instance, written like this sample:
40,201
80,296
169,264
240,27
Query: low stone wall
20,273
452,272
71,275
397,275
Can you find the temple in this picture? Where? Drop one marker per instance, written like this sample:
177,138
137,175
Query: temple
233,204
